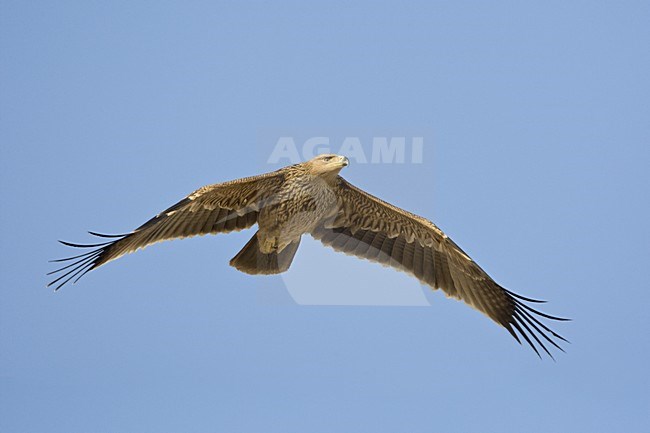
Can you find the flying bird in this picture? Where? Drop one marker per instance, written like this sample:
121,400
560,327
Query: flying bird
312,198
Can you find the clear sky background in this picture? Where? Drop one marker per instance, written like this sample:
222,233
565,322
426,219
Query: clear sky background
537,147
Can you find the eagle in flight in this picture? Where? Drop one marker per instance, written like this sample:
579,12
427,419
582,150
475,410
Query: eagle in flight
312,198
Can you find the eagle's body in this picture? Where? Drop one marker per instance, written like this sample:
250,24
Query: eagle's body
311,198
300,205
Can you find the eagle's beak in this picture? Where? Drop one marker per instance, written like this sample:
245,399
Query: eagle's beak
344,161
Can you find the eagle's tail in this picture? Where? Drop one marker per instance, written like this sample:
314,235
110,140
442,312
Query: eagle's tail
253,261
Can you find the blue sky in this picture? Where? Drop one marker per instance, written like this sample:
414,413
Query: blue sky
536,150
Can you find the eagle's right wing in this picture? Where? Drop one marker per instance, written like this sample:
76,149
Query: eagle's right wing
218,208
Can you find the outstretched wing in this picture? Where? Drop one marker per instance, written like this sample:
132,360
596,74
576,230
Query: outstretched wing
372,229
218,208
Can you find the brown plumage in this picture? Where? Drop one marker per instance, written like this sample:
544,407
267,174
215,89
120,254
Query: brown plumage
312,198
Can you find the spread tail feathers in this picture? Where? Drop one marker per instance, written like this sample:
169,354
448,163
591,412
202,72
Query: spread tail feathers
252,261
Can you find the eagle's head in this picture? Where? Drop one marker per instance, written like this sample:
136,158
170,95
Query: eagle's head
327,165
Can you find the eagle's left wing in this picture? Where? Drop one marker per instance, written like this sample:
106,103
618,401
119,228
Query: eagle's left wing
372,229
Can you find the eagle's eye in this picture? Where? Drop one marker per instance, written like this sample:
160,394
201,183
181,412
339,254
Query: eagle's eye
327,158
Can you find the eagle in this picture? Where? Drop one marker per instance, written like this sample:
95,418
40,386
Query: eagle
312,198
